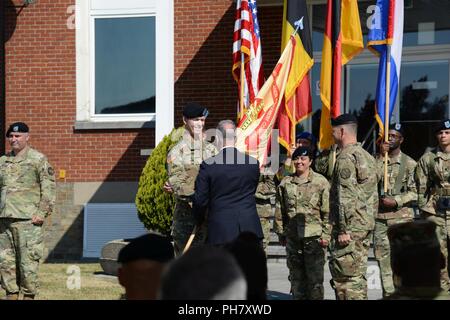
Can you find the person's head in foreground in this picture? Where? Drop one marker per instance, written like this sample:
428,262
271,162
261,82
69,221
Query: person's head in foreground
204,273
142,263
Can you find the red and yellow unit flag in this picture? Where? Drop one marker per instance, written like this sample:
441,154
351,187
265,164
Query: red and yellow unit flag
255,128
297,97
342,41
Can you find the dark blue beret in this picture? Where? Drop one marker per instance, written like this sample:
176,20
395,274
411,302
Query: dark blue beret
307,136
149,247
346,118
17,127
302,151
194,110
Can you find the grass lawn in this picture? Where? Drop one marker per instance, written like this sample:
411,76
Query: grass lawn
60,281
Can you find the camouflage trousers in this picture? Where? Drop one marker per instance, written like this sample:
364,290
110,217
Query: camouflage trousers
383,253
21,249
182,226
266,214
305,260
348,266
443,234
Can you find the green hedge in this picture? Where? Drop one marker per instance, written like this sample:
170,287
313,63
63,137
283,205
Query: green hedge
154,206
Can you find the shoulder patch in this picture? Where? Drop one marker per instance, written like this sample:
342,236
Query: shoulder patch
50,171
345,173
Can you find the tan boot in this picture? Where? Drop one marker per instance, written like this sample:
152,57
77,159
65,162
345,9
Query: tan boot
11,296
28,297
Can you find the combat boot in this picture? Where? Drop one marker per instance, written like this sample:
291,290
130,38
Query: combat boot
11,296
28,297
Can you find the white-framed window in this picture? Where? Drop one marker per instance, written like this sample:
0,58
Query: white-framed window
125,63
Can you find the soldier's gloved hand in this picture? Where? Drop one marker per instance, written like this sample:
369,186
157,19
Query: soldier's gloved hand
388,203
37,220
167,187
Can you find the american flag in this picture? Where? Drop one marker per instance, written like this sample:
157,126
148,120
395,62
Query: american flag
247,40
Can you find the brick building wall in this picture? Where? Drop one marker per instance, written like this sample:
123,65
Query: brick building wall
40,84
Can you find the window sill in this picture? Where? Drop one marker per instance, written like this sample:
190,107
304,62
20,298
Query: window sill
89,125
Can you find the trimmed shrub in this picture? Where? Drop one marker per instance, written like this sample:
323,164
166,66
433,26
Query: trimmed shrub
155,207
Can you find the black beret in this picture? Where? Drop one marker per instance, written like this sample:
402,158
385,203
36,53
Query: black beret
17,127
302,151
346,118
194,110
444,125
397,127
421,233
149,247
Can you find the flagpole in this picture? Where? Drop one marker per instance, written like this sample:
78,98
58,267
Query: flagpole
241,94
386,113
299,25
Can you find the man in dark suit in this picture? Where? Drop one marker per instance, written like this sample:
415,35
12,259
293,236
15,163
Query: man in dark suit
226,186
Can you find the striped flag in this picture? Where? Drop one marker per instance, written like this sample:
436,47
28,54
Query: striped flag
387,29
342,41
297,103
247,42
255,128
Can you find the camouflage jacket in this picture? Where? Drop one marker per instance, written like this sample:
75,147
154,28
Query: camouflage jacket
408,192
27,185
354,193
432,177
183,163
302,208
266,189
323,163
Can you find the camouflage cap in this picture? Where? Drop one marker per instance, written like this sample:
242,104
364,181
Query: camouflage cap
414,234
17,127
194,110
149,247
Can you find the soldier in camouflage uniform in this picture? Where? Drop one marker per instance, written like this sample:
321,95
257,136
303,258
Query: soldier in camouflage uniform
302,224
265,204
27,185
433,187
353,206
325,161
396,205
183,163
416,261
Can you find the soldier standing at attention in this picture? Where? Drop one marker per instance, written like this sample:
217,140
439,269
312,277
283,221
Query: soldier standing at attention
27,184
183,162
265,203
301,222
396,205
433,187
353,206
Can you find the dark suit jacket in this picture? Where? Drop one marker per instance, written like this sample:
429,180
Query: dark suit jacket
226,186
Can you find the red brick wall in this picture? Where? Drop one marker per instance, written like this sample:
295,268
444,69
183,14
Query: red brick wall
40,90
40,82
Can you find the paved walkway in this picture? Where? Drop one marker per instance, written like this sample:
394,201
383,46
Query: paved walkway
279,286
